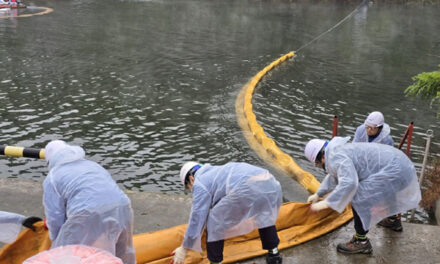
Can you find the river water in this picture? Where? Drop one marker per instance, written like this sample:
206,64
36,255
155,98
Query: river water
145,85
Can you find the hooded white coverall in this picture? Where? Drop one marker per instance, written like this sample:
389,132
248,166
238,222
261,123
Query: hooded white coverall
378,180
10,226
231,200
84,205
384,136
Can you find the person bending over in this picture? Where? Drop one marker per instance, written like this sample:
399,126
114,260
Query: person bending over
230,200
377,179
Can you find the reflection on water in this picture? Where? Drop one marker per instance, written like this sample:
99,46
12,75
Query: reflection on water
145,85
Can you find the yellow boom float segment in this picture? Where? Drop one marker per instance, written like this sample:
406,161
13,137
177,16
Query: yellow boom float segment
14,151
264,146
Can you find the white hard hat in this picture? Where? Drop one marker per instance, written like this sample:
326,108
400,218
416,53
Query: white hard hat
312,149
185,169
375,119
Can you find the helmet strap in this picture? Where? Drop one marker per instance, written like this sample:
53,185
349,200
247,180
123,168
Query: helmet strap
191,172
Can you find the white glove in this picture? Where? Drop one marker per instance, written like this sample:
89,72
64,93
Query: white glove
313,198
179,255
319,206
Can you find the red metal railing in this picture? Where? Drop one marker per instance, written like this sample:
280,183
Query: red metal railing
407,135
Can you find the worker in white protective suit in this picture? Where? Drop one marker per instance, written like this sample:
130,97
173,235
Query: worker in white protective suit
84,205
11,223
376,130
230,200
377,179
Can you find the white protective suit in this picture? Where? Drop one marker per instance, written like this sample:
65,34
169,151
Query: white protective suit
10,226
384,136
84,205
231,200
377,179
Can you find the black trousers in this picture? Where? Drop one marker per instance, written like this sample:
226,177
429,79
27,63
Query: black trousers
358,224
269,240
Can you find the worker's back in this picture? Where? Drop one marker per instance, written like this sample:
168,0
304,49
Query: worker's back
219,180
85,184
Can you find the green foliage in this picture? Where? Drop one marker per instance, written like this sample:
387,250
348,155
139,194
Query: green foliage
427,86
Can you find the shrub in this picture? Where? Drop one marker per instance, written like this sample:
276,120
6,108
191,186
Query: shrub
427,86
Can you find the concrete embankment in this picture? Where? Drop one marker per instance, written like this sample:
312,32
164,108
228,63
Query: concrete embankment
152,211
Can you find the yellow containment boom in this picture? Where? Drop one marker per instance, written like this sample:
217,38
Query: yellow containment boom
264,146
44,11
22,152
295,225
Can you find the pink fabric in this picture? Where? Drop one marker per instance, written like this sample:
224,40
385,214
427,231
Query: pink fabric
74,254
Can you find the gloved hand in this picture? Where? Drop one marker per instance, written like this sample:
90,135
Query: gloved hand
319,206
313,198
29,222
179,255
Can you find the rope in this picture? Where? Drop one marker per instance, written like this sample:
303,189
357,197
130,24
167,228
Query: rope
335,26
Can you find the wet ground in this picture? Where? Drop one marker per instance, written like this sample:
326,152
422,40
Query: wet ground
416,244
